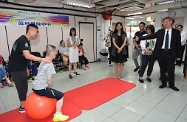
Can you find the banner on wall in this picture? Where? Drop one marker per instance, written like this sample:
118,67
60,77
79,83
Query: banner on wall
21,18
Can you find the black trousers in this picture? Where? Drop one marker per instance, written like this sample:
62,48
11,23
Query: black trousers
167,65
147,61
20,79
83,60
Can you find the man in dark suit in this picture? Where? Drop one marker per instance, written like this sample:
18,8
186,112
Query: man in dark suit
167,50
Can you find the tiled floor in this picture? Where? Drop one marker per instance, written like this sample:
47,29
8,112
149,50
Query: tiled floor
144,103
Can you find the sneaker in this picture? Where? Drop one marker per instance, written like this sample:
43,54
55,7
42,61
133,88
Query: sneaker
21,110
1,86
75,73
70,76
60,117
10,83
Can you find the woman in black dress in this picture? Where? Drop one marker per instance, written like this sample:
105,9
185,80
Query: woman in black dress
118,50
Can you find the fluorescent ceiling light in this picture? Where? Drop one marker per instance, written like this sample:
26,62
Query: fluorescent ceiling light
79,3
170,1
163,10
130,18
149,19
135,13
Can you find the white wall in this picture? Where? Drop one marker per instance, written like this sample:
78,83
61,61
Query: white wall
3,46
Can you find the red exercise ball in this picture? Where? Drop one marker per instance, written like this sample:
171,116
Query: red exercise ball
39,107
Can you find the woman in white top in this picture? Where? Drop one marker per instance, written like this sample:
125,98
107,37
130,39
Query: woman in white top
72,44
147,47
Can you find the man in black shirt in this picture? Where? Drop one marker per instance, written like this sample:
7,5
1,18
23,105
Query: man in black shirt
137,48
18,62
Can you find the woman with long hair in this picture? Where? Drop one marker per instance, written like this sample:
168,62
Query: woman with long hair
72,44
118,49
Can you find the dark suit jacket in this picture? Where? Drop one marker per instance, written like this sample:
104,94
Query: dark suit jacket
175,42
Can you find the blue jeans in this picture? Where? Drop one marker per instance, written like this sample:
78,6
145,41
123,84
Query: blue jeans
33,67
2,73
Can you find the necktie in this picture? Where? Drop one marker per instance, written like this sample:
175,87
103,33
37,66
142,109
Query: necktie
167,42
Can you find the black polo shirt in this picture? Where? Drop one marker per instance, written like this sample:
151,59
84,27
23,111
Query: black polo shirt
17,61
139,34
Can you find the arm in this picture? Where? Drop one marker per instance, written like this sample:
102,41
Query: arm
152,36
114,43
29,56
71,45
124,43
49,81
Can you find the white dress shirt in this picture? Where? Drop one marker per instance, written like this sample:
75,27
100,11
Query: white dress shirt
183,37
169,32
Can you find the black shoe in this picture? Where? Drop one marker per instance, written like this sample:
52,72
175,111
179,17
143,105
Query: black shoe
70,76
136,69
75,73
162,86
174,88
149,79
141,80
21,110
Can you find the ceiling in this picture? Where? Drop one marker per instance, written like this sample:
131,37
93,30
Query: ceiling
119,7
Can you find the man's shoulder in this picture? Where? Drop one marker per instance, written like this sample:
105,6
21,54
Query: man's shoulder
22,39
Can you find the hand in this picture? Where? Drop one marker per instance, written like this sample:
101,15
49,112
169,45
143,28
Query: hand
139,49
149,52
119,50
136,38
178,59
45,60
137,46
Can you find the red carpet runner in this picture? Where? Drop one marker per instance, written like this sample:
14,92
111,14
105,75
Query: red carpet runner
92,95
86,97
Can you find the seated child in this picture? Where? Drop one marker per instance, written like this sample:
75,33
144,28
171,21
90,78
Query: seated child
3,73
64,51
42,85
82,59
32,66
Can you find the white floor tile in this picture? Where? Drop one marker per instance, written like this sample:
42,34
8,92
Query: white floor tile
183,115
109,120
121,101
126,116
170,108
147,100
92,116
159,116
180,120
3,110
138,108
108,108
145,120
176,100
74,120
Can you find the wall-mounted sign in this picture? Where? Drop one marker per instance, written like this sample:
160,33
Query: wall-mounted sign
20,18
